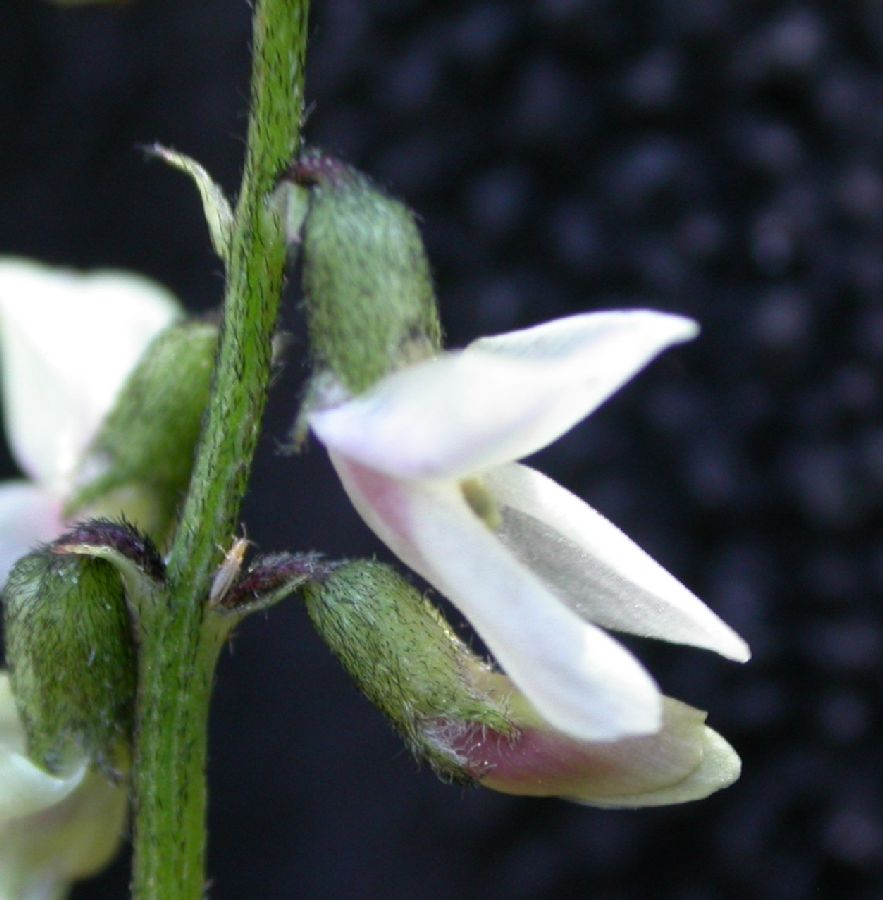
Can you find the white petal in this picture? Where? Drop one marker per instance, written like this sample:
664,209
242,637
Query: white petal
579,679
501,399
25,789
28,516
41,854
596,569
621,339
68,342
53,830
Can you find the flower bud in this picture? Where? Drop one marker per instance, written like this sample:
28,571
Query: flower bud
370,302
71,658
473,726
140,461
406,660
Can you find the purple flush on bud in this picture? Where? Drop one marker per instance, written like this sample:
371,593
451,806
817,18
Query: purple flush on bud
684,761
474,726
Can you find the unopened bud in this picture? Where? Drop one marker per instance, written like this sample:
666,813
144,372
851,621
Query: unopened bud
405,659
370,301
71,658
473,726
140,461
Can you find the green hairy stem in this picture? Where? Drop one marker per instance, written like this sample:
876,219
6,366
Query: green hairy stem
178,645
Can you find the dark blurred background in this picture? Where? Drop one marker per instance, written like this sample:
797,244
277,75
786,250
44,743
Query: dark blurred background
712,157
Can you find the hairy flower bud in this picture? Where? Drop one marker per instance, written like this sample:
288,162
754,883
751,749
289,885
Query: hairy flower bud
140,460
405,659
370,301
474,726
71,658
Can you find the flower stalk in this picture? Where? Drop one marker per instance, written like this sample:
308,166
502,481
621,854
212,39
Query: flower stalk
178,645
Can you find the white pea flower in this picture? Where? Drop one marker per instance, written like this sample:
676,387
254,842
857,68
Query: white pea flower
68,341
427,458
54,829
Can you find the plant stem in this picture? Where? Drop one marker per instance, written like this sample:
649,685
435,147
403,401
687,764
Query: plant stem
178,649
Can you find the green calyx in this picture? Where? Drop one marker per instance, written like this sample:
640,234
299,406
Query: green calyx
71,659
406,659
140,461
370,301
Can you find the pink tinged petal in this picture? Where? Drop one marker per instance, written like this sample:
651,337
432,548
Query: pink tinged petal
69,341
28,516
578,678
596,569
501,399
684,761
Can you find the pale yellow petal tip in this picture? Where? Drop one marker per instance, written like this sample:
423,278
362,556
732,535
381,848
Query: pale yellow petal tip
719,768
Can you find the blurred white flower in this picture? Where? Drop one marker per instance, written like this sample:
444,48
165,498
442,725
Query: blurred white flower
53,829
426,456
67,343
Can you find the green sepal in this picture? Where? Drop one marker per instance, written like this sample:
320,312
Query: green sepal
370,301
71,658
407,660
237,593
140,461
133,555
267,581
